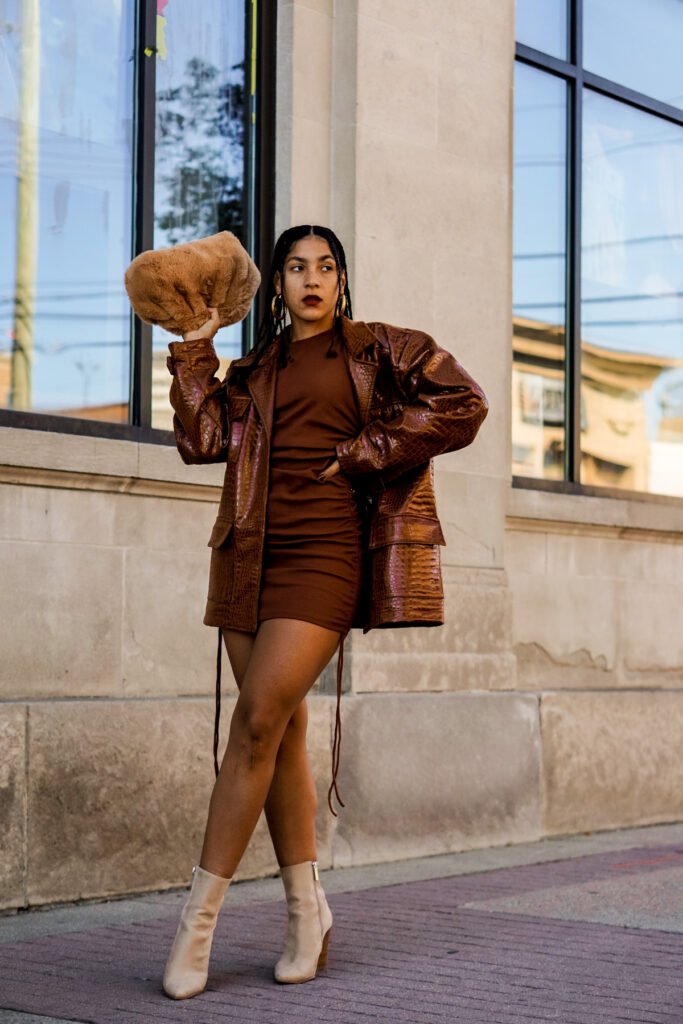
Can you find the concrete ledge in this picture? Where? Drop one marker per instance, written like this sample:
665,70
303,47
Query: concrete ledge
48,459
528,508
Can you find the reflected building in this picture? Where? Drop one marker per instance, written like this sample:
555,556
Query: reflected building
617,450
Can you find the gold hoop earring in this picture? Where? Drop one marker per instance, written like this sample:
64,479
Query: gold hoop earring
278,308
342,305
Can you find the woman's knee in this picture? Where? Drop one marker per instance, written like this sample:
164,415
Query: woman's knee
256,731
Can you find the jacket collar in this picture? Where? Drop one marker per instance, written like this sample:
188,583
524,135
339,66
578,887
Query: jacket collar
357,336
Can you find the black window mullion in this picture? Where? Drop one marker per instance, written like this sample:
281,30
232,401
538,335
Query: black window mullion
573,266
143,202
264,240
259,142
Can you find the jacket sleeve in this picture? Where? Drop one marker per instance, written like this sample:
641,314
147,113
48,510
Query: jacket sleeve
199,400
444,408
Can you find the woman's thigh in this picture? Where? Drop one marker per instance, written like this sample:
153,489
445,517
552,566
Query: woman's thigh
285,659
239,646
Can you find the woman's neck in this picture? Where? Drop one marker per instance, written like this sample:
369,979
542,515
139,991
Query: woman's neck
299,330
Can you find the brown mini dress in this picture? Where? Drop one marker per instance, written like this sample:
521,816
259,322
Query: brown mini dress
312,555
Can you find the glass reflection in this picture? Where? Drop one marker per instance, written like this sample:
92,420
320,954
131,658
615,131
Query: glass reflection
65,183
540,182
632,299
543,25
199,158
637,43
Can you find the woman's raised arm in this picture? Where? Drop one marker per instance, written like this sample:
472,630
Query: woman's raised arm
198,397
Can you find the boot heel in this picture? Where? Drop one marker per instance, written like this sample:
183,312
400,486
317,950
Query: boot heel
322,959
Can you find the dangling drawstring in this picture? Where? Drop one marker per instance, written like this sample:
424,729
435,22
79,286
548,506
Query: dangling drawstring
217,716
336,742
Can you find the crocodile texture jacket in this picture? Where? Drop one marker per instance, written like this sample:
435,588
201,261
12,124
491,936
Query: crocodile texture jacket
416,401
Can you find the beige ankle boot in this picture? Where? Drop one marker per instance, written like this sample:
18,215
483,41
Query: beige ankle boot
187,967
310,921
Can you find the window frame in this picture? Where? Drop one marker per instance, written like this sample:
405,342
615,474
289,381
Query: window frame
572,72
259,210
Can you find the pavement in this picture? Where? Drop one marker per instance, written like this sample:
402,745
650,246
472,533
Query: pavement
581,930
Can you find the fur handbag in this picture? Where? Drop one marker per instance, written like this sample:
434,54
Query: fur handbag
174,287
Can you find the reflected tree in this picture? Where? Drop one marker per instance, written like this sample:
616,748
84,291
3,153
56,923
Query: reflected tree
200,154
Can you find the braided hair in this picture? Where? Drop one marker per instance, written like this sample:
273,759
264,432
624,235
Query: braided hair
272,326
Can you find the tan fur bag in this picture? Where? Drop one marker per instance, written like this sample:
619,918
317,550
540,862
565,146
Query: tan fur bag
174,287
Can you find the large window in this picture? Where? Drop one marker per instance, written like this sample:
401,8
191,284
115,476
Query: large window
124,125
598,240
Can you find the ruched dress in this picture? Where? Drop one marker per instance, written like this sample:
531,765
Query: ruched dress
313,546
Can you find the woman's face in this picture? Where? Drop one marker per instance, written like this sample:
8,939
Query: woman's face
309,285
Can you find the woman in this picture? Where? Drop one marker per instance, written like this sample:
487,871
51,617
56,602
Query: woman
326,521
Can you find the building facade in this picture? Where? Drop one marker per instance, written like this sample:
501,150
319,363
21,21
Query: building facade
503,179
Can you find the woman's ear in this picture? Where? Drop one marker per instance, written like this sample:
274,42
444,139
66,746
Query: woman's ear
277,281
343,282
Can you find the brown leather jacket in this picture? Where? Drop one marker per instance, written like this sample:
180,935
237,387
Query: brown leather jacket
416,401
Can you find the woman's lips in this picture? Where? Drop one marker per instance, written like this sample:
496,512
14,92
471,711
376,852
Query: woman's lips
312,300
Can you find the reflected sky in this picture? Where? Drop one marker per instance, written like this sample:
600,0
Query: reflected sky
637,43
543,25
82,170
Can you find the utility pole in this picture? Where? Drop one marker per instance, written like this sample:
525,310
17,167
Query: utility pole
27,207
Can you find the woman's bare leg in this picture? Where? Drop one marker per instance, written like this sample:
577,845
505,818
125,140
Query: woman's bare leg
287,657
291,803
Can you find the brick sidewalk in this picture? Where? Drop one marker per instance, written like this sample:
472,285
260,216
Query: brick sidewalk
585,940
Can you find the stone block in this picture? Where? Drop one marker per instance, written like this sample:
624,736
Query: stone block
163,524
12,804
424,671
471,509
119,792
57,515
166,647
526,552
564,631
423,774
651,637
117,796
60,620
611,760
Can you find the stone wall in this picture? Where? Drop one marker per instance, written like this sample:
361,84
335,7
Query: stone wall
597,588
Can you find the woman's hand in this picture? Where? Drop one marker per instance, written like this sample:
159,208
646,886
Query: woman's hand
207,330
329,471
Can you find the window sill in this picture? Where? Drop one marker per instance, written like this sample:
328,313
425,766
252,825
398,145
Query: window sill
556,506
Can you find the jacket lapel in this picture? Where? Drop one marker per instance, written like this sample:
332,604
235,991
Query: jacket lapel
261,385
362,362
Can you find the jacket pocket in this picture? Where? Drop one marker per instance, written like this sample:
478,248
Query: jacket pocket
222,529
405,529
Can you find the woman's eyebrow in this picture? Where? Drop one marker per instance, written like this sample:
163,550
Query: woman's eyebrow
301,259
